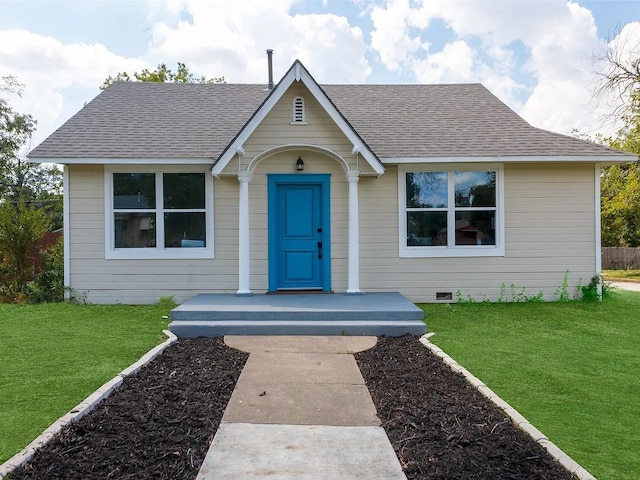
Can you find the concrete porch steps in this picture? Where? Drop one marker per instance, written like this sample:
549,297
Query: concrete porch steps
386,313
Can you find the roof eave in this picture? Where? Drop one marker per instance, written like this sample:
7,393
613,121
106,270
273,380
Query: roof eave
617,158
121,161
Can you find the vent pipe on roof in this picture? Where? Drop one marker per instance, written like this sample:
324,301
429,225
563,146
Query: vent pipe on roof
270,62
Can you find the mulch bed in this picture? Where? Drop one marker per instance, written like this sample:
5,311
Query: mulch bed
160,422
157,424
440,426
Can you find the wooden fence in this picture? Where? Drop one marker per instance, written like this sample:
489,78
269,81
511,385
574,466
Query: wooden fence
621,258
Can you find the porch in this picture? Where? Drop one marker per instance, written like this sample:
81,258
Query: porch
211,315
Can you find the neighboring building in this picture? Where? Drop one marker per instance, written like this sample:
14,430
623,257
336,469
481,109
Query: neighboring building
179,189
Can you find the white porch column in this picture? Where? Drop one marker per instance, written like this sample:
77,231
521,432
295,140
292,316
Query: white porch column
244,270
354,234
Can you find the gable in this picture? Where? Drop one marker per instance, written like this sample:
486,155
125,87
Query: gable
279,129
297,73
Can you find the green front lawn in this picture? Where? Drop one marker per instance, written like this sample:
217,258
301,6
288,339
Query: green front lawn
52,356
572,369
624,275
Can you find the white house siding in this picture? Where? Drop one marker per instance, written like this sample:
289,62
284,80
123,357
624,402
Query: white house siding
550,228
276,130
144,281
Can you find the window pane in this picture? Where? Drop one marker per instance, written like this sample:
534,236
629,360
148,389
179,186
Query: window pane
475,189
427,190
183,190
184,229
476,228
134,190
135,230
426,229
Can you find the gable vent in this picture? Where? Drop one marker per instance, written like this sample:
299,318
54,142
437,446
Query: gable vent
298,110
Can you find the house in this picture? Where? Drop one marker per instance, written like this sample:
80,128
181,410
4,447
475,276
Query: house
427,190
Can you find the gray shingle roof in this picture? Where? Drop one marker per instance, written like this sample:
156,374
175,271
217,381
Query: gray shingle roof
155,120
180,121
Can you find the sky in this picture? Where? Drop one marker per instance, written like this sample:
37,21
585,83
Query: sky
537,56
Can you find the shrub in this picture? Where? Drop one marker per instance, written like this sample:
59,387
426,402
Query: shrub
21,228
48,285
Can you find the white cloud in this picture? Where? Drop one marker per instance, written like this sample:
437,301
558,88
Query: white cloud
488,41
48,68
560,60
453,64
230,39
536,56
214,38
390,36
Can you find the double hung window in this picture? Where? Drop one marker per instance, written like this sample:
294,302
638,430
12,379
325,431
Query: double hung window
451,212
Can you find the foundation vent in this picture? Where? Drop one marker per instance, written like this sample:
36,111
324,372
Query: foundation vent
443,296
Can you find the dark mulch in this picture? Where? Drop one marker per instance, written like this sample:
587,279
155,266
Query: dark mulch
160,422
157,424
441,426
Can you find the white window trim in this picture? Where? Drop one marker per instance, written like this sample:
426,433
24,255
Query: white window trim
112,253
496,250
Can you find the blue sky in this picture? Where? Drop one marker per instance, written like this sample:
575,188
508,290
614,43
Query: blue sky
536,55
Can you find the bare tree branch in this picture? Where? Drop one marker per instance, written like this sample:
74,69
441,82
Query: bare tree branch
618,72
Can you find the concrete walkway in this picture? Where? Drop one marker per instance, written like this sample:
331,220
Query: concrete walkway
300,410
632,286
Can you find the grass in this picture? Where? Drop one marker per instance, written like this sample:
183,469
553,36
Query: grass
570,368
623,275
52,356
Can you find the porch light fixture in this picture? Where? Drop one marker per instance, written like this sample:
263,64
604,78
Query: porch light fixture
299,164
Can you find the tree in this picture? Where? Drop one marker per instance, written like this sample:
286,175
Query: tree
618,69
15,132
620,205
620,185
21,228
39,186
161,74
30,197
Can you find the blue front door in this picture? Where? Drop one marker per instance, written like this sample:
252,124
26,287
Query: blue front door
298,250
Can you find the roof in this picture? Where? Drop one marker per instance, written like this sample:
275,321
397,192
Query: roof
155,120
138,120
453,120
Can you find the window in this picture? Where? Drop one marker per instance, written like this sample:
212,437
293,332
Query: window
158,214
451,212
298,114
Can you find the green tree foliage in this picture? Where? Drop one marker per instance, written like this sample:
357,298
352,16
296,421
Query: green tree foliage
39,186
620,185
161,74
620,205
15,132
21,228
30,199
628,137
618,70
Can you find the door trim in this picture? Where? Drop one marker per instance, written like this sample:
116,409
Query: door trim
275,180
